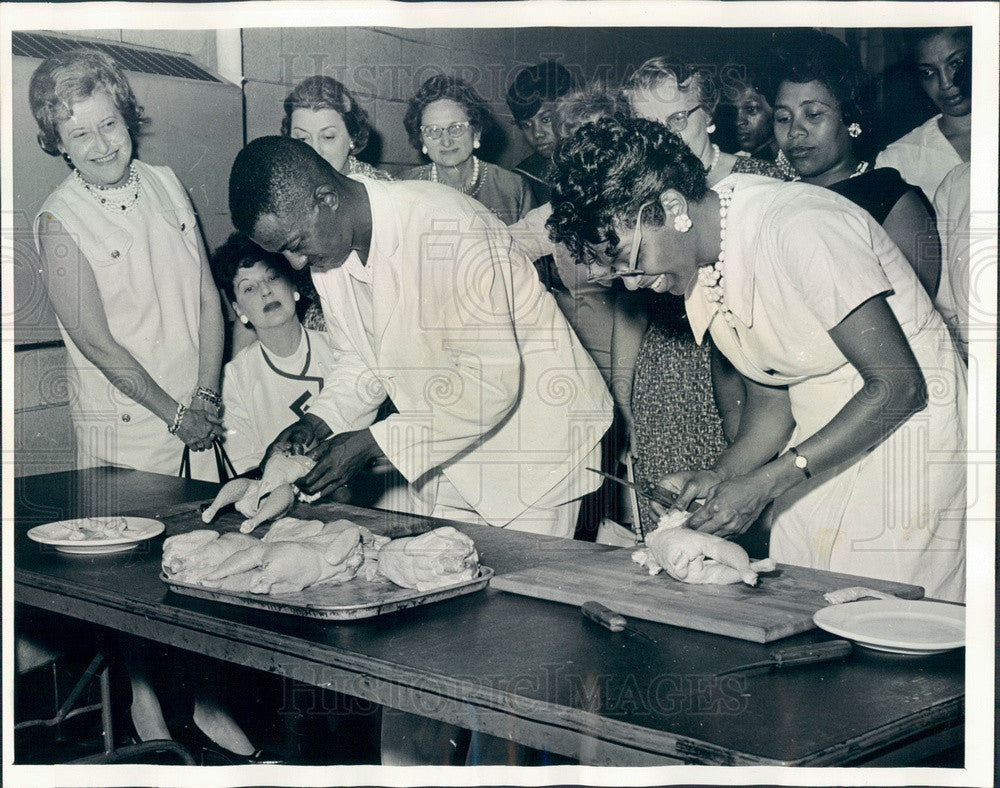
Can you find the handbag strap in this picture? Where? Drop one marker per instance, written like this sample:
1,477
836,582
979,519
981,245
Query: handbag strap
185,469
222,462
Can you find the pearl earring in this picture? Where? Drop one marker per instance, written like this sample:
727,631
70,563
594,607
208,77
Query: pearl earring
682,223
475,144
244,319
710,128
424,149
296,296
854,130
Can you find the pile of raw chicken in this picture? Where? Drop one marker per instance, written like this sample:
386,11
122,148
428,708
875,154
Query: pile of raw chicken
298,554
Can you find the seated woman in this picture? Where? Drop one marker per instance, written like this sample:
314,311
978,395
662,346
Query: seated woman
268,384
942,59
832,334
820,117
445,120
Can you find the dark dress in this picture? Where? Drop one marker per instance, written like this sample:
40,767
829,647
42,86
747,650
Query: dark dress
677,423
878,191
535,170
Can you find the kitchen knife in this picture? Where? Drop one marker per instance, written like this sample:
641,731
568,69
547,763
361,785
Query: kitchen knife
609,619
652,492
797,655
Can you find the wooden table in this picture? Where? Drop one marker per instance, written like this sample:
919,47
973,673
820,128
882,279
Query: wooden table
525,669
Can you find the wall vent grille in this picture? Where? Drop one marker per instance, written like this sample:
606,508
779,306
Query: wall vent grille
146,61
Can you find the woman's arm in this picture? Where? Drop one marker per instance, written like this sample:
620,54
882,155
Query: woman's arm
629,325
893,389
911,227
210,329
730,393
72,290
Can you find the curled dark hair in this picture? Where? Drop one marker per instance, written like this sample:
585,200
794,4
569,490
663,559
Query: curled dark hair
320,92
75,75
444,87
606,170
807,55
914,37
239,252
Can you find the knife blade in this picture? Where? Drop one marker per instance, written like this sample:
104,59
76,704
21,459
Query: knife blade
796,655
651,492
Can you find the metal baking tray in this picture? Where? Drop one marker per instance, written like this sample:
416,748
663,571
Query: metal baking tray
355,599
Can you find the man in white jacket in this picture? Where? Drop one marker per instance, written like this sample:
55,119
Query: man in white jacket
431,304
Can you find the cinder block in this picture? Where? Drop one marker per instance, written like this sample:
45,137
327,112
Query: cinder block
307,51
262,48
373,61
263,108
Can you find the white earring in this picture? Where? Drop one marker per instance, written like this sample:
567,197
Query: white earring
424,149
682,223
475,144
854,130
296,296
244,319
710,128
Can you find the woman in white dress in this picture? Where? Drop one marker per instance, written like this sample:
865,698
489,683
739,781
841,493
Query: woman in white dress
128,278
942,58
854,423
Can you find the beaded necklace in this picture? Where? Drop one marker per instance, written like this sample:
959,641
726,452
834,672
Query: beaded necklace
710,276
716,152
475,182
118,199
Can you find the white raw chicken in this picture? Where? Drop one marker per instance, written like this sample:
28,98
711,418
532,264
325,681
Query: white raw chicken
177,548
267,499
438,558
697,557
288,567
193,566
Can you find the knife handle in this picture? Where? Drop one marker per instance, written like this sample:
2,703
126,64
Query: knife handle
814,652
604,616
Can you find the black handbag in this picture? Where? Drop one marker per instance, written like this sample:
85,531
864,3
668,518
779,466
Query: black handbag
222,463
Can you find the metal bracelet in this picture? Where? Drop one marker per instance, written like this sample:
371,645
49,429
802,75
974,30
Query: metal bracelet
210,396
178,418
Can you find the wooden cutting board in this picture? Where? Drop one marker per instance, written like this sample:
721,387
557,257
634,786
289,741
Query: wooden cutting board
782,603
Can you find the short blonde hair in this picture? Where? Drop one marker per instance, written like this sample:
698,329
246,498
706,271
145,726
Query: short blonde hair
688,78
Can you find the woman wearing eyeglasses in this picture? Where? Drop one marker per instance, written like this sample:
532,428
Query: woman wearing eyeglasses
445,121
854,423
674,381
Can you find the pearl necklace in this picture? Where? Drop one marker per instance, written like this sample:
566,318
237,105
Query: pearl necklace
716,152
710,276
473,186
118,199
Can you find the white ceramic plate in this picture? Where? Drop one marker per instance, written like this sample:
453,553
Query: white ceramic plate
135,530
900,626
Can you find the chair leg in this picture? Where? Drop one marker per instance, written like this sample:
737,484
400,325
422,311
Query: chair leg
107,726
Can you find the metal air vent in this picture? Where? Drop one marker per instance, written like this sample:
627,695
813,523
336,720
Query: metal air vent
146,61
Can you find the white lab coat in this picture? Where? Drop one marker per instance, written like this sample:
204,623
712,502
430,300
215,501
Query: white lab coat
493,389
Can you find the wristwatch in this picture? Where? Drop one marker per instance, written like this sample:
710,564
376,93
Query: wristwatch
800,462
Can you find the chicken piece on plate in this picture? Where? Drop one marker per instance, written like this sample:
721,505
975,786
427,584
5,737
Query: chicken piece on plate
438,558
696,557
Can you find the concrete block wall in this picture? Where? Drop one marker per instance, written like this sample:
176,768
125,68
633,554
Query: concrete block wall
383,67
